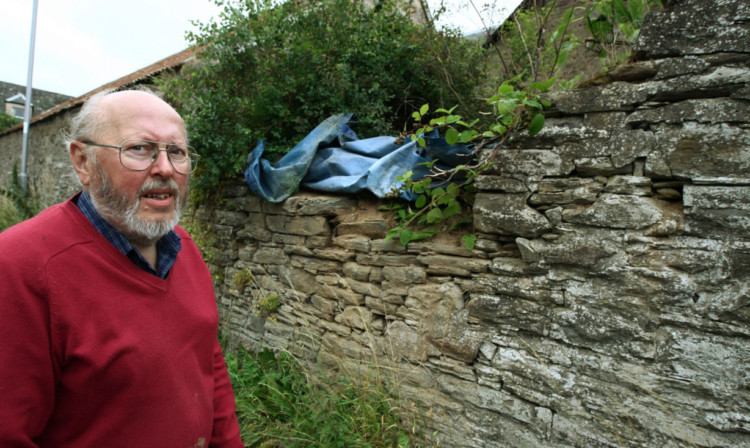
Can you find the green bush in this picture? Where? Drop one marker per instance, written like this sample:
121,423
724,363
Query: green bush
274,73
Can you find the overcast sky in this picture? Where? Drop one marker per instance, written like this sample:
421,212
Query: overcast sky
84,44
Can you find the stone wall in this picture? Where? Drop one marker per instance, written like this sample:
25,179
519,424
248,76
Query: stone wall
51,176
606,302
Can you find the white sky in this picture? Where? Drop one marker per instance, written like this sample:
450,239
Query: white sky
83,44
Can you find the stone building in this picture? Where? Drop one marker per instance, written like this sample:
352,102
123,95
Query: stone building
50,173
14,99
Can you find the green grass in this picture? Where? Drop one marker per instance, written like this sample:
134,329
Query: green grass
9,214
282,404
15,205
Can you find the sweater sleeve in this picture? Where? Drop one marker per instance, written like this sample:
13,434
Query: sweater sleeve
27,384
226,430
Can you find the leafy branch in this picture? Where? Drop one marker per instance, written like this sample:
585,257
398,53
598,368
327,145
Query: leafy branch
444,194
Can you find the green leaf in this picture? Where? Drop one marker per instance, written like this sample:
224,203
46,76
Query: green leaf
451,136
469,241
423,110
621,12
405,237
438,193
453,208
422,235
447,112
435,215
601,28
498,128
537,123
467,136
404,177
505,89
542,86
504,107
533,104
421,201
392,233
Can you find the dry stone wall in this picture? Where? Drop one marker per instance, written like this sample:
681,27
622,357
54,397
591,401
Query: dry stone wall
52,178
606,302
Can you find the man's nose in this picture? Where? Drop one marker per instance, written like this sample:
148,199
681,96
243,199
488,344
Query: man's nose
162,166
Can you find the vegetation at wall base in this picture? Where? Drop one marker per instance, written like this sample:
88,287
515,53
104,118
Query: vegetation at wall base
281,404
15,204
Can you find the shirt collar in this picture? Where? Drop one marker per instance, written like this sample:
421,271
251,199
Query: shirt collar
167,247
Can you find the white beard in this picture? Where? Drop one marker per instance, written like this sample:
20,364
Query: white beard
120,212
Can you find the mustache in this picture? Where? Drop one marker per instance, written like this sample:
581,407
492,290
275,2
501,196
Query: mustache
160,184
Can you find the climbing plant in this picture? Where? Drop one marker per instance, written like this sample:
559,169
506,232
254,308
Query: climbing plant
443,195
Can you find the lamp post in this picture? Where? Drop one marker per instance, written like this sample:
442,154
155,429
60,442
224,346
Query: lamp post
23,177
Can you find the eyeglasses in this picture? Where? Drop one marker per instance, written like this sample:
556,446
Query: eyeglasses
139,155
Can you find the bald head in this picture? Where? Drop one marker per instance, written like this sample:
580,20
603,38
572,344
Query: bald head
100,112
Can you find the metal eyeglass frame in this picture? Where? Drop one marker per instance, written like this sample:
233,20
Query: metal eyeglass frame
191,154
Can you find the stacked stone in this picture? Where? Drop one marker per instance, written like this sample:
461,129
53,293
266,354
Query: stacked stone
607,299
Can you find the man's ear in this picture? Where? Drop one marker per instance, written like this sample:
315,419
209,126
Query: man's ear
81,162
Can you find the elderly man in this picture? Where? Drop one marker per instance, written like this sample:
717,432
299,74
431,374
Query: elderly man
108,333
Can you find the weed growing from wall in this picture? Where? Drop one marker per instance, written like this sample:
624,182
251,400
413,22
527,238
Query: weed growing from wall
614,26
444,196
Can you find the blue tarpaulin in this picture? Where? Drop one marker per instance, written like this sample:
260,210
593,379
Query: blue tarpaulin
332,158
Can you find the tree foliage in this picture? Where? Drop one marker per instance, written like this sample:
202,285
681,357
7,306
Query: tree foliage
274,72
534,44
7,120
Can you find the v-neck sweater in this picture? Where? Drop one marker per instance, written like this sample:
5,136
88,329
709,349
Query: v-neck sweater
96,352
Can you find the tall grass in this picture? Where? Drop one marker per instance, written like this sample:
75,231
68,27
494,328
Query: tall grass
281,403
15,204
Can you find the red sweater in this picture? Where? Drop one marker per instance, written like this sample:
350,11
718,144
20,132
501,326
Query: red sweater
95,352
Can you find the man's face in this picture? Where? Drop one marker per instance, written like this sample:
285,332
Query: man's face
144,205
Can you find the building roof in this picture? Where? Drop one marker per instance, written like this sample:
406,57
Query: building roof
174,61
18,98
43,99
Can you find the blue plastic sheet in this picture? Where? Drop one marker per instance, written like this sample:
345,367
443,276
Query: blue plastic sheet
332,158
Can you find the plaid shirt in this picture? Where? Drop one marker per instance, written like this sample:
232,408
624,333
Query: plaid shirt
167,247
